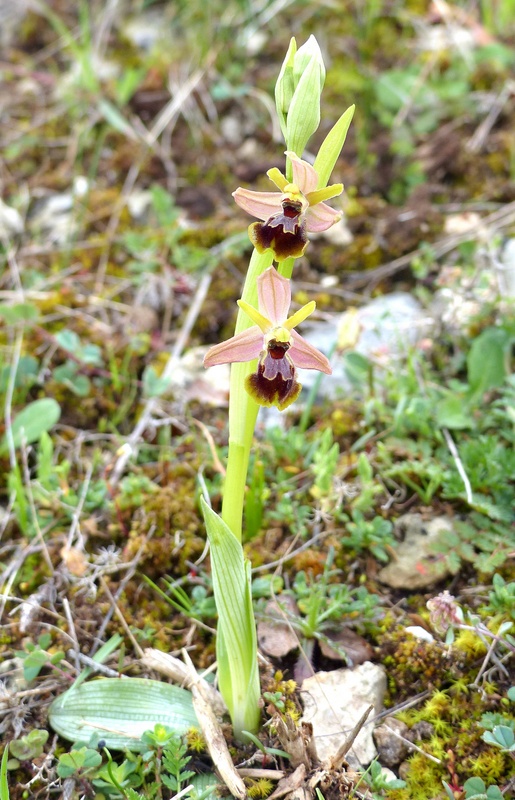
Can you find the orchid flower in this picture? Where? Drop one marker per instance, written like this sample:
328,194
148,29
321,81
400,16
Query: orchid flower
290,215
272,340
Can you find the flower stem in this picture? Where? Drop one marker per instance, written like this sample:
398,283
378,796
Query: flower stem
285,268
243,409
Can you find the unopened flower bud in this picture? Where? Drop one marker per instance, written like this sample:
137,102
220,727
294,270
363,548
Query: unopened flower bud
285,87
297,93
309,51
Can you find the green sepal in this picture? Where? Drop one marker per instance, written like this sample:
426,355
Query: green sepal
303,116
285,87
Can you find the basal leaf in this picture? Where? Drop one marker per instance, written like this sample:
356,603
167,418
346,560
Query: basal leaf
236,641
120,710
32,421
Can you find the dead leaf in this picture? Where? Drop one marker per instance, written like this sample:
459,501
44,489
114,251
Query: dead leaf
355,647
276,636
74,560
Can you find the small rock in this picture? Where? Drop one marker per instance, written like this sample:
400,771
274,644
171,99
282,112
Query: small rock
10,220
338,235
52,218
141,319
461,223
138,204
420,633
388,774
193,382
232,129
416,566
505,266
391,749
403,770
335,701
145,31
420,730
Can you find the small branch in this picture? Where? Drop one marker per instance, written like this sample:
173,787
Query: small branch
459,465
80,505
121,618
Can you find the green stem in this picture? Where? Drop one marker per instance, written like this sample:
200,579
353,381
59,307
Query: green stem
243,409
285,268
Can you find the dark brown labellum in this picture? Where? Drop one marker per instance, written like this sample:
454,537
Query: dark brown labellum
274,382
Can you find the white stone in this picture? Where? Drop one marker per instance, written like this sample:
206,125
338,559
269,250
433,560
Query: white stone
11,221
419,633
335,701
389,326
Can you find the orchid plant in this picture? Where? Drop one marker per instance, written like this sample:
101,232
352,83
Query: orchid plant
266,352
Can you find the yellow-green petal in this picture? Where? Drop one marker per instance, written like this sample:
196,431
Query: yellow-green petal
278,178
255,316
320,195
300,315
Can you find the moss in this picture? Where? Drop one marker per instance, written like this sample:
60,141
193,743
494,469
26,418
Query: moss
361,254
195,741
424,778
469,643
413,666
491,765
259,788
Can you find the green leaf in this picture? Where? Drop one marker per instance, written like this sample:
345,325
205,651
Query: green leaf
205,784
68,340
32,421
29,746
236,641
357,368
452,412
82,759
20,312
68,375
486,361
504,736
154,385
494,793
34,663
331,147
115,118
121,710
4,788
476,785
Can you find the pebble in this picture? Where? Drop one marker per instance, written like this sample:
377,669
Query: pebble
416,566
390,748
335,701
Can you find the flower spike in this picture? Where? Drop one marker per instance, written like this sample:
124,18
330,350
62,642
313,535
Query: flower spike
288,217
274,342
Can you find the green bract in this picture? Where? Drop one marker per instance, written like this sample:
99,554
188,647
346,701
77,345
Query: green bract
236,642
331,147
